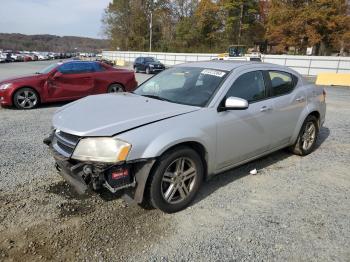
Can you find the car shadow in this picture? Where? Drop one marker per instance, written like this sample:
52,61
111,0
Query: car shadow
322,136
227,177
54,104
41,106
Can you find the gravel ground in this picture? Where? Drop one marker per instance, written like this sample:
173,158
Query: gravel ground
295,209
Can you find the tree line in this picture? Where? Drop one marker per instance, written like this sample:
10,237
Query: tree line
52,43
278,26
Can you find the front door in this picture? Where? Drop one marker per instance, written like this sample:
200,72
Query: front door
73,80
244,134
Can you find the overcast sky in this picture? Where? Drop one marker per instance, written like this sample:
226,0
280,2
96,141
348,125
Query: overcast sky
57,17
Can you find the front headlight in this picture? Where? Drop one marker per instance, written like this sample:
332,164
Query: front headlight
151,65
5,86
101,149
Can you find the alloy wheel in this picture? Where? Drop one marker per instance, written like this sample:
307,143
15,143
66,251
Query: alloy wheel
178,180
309,135
27,99
116,89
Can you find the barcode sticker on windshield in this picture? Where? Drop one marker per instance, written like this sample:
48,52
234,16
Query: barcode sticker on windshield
213,72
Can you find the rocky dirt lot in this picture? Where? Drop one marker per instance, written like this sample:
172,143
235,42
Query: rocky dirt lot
295,209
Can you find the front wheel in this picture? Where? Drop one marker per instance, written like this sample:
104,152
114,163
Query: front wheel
307,138
26,98
148,70
176,180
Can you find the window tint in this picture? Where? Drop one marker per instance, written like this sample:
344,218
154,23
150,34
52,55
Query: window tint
76,68
149,59
281,82
66,68
98,67
83,68
249,86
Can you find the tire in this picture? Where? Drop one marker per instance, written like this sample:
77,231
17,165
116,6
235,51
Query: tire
148,71
136,70
26,98
115,88
307,137
170,191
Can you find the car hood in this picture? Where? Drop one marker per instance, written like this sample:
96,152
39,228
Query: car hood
21,78
110,114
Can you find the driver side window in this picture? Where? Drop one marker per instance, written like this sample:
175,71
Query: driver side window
66,68
249,86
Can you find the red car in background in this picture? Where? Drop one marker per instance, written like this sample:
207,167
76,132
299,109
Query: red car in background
65,81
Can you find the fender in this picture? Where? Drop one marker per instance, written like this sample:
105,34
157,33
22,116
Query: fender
150,143
160,145
175,137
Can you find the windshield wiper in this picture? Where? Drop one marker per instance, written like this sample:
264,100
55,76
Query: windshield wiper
158,97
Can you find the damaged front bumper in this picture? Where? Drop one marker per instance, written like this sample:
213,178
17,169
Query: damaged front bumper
83,176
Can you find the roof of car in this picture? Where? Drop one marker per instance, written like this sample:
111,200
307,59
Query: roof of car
231,65
219,64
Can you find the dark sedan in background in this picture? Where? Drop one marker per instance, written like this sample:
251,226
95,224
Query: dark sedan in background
64,82
148,65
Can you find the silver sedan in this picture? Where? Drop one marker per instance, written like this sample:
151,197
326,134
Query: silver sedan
182,126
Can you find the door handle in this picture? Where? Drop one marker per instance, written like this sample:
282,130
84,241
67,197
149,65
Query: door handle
300,99
265,109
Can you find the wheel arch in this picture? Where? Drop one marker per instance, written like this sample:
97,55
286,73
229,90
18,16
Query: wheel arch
115,82
146,176
316,114
198,147
306,113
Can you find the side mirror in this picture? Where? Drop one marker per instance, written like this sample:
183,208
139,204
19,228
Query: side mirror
235,103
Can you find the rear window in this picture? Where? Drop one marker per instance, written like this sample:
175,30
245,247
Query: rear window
281,82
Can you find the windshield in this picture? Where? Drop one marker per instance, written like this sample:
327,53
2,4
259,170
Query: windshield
48,69
150,59
183,85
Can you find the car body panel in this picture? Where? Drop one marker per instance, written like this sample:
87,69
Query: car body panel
70,86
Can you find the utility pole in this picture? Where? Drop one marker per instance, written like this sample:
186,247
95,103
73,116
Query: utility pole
240,25
150,29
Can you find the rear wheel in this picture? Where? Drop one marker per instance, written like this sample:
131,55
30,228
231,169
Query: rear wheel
136,70
26,98
307,138
176,180
115,88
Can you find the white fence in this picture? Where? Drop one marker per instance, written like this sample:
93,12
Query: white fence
306,65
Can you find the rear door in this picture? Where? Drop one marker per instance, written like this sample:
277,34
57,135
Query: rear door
288,102
75,81
243,134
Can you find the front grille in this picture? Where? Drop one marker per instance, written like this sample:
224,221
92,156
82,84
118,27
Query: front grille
64,143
